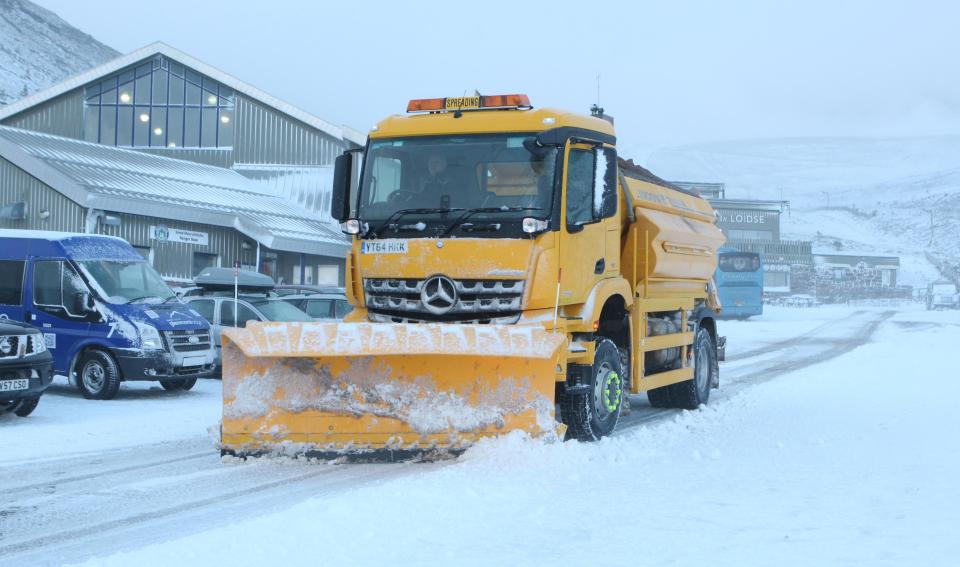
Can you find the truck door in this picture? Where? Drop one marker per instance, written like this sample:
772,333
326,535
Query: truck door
56,306
582,235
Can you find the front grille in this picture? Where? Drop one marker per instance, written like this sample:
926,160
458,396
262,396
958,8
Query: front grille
477,301
180,340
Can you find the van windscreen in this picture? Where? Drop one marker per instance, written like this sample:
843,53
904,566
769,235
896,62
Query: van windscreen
127,281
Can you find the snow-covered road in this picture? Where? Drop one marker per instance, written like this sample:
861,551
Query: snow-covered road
844,458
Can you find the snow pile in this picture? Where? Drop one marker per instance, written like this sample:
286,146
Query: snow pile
853,461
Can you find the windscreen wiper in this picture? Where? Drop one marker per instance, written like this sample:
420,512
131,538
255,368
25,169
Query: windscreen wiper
471,212
401,212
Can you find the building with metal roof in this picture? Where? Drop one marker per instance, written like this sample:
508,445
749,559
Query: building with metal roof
157,138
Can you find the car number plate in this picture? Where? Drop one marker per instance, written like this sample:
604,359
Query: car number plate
194,361
11,385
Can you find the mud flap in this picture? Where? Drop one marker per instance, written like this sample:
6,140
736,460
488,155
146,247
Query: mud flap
353,388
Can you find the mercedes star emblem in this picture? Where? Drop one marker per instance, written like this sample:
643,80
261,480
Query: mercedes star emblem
439,295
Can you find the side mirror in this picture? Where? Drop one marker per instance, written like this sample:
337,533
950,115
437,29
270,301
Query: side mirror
605,185
342,181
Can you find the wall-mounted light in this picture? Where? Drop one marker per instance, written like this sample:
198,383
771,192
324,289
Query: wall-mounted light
158,131
110,220
44,214
124,97
225,119
246,245
144,117
212,99
172,145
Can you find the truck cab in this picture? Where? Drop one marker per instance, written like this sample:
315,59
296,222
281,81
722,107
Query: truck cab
106,315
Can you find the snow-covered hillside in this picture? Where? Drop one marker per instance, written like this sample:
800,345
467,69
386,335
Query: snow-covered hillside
896,196
38,49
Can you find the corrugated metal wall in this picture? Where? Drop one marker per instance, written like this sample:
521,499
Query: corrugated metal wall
174,260
17,185
62,116
265,136
210,156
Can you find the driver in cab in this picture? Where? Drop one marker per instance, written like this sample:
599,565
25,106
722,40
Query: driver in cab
438,179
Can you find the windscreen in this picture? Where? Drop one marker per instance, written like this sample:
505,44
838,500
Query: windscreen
127,281
739,262
460,173
280,311
944,289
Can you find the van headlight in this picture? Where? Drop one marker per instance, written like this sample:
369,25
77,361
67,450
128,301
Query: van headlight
149,336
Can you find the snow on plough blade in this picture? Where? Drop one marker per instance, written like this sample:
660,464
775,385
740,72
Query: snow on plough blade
383,391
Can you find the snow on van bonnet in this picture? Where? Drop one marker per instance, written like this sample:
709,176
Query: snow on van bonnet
850,462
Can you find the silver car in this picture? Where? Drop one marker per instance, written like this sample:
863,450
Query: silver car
221,311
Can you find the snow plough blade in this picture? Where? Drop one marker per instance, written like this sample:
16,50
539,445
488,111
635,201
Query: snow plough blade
383,391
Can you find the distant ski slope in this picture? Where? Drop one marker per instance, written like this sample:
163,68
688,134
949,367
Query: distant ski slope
848,195
39,49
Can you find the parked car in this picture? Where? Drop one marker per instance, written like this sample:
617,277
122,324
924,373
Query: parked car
942,294
305,289
106,315
321,306
222,311
26,367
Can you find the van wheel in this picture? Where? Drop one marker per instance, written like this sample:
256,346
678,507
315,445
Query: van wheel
690,394
594,414
27,406
98,376
177,385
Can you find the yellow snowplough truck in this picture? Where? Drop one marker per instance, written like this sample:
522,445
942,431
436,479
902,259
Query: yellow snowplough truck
508,272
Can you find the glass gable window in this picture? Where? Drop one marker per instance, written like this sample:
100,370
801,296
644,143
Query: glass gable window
159,104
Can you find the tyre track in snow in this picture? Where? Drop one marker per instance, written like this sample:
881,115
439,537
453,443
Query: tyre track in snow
103,516
825,342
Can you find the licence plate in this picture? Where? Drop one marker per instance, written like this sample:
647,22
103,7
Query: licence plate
194,361
11,385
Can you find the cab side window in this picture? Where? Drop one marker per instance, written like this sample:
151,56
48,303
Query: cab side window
47,281
244,314
11,282
580,178
56,284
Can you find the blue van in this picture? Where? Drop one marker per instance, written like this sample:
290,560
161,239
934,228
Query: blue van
105,313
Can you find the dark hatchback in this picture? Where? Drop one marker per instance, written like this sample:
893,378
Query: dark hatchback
26,367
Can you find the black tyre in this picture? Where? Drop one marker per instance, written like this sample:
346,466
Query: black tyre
178,385
98,376
692,393
27,405
660,397
594,414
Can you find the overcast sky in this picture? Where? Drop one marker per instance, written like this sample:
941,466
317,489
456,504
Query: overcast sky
671,72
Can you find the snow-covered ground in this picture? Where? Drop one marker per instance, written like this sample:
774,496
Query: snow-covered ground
143,413
850,459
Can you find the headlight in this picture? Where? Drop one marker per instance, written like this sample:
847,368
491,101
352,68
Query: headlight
37,344
149,336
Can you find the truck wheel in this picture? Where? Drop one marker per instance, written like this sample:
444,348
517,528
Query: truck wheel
27,406
188,384
594,414
691,393
98,376
660,397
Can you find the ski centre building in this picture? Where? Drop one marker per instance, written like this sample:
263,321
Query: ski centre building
192,166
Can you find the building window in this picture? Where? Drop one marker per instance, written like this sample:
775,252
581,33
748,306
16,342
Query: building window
203,260
742,234
145,252
159,104
776,279
328,275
